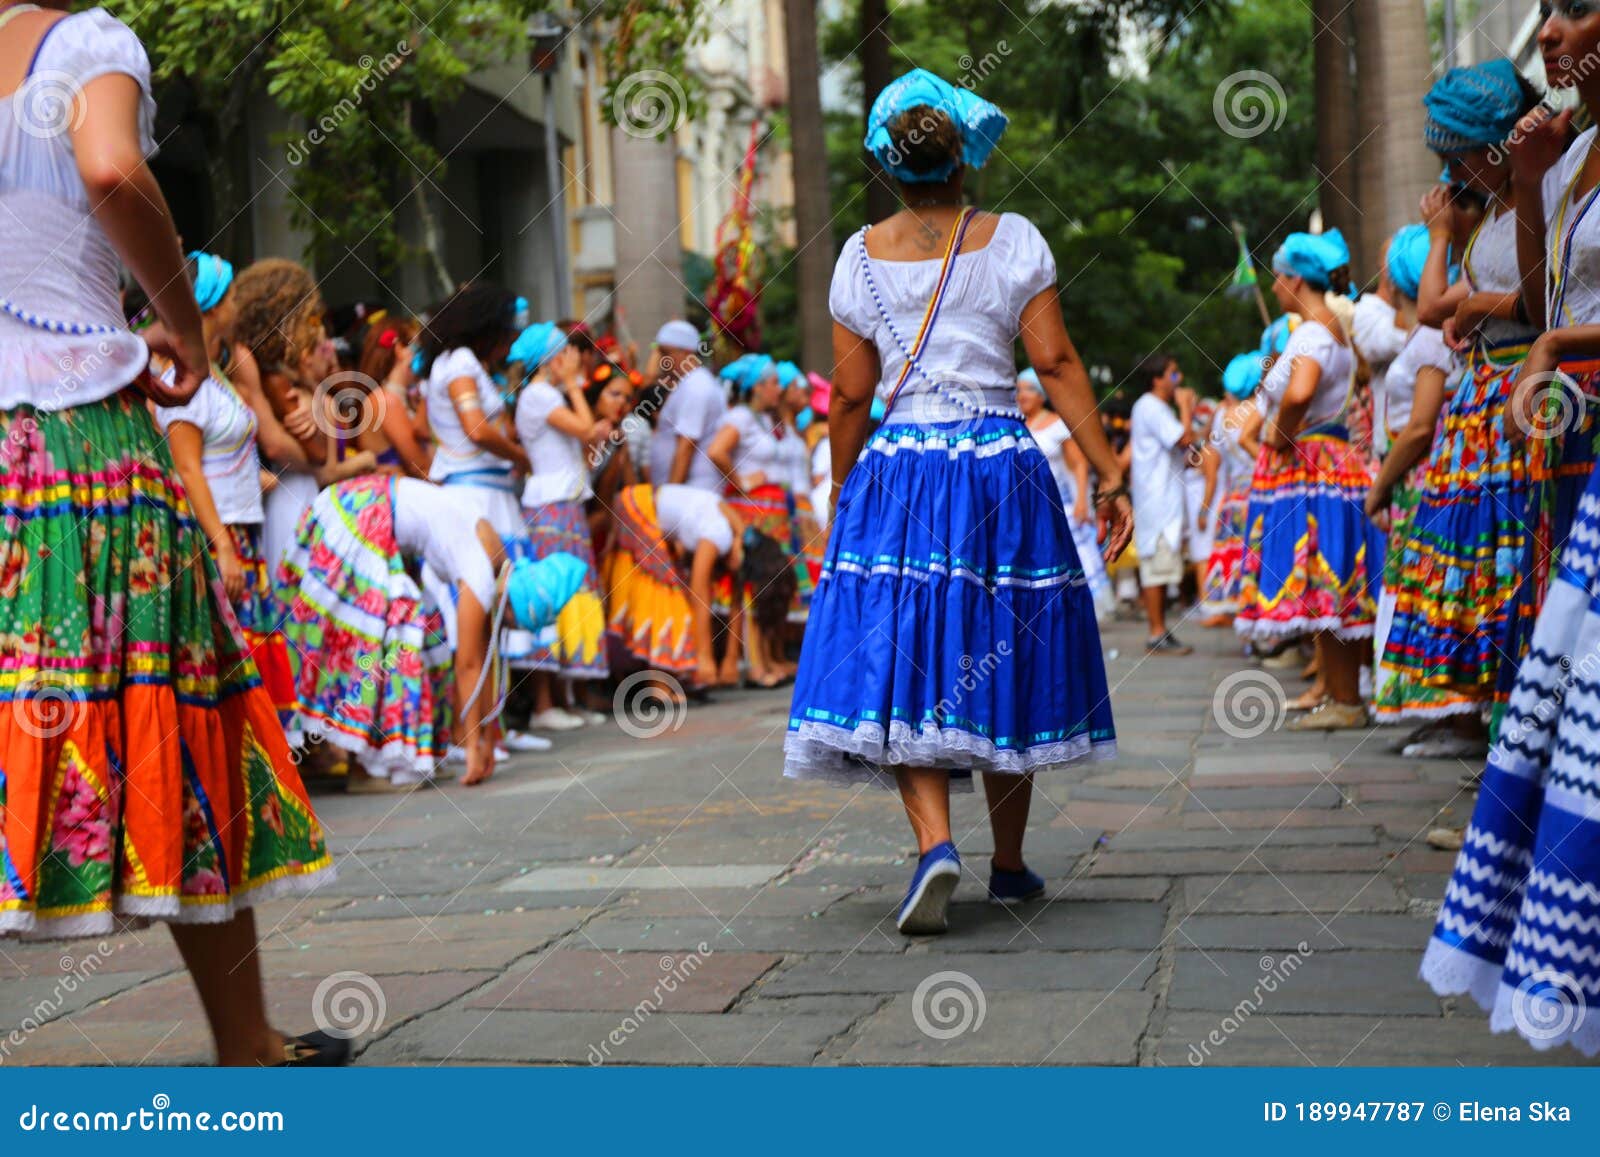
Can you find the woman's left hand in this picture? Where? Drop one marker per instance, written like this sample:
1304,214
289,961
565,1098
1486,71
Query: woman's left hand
1377,504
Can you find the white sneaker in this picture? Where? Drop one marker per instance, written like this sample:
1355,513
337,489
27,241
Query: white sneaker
456,754
592,718
501,754
554,719
523,741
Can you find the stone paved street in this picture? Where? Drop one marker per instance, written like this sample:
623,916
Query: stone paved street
1212,899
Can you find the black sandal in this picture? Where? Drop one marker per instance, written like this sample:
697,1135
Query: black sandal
315,1050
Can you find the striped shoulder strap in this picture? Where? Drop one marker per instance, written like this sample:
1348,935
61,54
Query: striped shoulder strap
930,314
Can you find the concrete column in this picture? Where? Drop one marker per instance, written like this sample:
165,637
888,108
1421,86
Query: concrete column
1395,166
650,287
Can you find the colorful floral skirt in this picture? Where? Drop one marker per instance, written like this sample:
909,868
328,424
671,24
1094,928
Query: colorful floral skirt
1519,928
143,770
1225,567
1312,558
1558,473
650,617
575,644
1395,696
766,508
370,679
808,544
953,627
258,616
1455,568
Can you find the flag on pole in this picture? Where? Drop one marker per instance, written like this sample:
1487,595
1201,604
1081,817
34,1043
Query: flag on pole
1244,272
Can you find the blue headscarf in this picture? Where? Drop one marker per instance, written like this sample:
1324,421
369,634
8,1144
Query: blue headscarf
1473,108
1313,256
1275,338
746,371
980,123
1243,374
537,344
212,276
1408,253
519,314
787,373
1030,378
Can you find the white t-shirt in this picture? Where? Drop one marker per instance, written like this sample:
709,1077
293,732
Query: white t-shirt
1315,341
1157,485
560,473
1050,439
1576,301
760,446
796,460
1425,348
693,410
689,516
228,448
1490,266
972,344
429,523
458,454
822,479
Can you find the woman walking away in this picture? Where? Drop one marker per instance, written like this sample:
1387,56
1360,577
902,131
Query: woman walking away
146,773
1312,557
951,631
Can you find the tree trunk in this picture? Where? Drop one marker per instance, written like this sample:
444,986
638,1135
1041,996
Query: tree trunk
1334,40
1394,167
813,210
882,200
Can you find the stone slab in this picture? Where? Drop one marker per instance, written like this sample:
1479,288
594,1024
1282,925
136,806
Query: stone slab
1356,981
582,980
608,880
992,971
1291,892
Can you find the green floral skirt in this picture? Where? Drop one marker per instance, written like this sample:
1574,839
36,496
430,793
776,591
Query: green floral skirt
143,770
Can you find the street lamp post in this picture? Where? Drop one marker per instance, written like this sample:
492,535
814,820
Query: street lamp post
547,36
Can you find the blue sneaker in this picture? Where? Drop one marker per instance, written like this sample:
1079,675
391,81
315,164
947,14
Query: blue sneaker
1014,887
938,872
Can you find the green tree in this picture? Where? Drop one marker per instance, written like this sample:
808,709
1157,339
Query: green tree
360,81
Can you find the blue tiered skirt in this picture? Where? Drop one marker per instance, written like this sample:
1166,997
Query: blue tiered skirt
1520,925
952,626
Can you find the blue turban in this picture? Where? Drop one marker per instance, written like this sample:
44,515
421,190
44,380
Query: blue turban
1474,108
1030,379
1275,338
980,123
537,591
212,276
787,373
537,344
1312,256
744,372
1408,253
1243,374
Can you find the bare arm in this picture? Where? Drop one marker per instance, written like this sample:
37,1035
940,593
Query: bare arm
188,446
855,377
1078,463
1304,376
1250,430
397,426
1536,145
127,202
723,444
272,439
483,431
1414,441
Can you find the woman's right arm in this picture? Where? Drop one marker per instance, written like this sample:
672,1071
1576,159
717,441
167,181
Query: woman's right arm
855,378
188,447
483,431
127,203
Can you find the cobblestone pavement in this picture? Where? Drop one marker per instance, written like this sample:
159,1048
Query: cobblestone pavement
1253,897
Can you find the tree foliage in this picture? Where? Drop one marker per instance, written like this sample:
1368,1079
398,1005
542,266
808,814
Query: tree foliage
358,81
1116,151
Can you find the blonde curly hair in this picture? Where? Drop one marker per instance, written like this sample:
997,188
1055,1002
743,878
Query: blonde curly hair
279,312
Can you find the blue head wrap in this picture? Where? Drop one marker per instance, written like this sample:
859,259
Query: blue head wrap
1030,378
1275,338
212,276
787,373
537,591
980,123
1243,374
804,420
1312,256
746,371
1473,108
1408,253
537,344
519,314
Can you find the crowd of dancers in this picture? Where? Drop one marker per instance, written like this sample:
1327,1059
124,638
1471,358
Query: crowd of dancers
239,526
